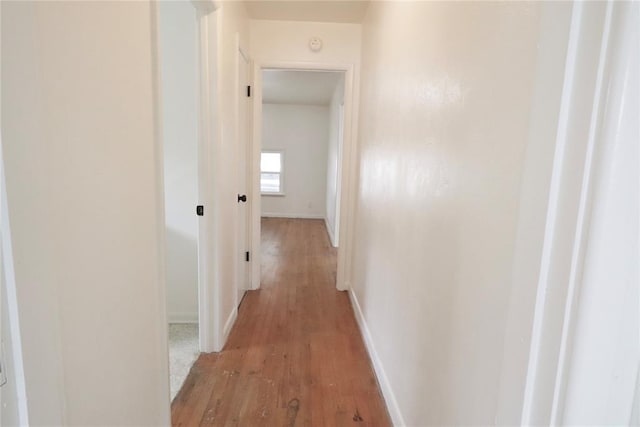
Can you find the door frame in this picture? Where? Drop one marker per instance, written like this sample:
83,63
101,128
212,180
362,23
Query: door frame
208,301
11,346
347,167
570,202
208,298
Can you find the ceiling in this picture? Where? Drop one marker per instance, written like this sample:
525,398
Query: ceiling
308,10
299,87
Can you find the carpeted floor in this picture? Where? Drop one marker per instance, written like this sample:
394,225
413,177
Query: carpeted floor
183,351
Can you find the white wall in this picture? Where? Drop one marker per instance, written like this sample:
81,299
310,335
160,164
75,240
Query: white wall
302,131
179,68
289,41
334,157
445,112
78,139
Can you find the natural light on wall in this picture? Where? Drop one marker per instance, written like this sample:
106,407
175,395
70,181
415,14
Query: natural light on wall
271,172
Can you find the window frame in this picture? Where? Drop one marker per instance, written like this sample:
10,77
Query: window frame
281,173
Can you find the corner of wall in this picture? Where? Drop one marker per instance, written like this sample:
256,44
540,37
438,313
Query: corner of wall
228,325
332,236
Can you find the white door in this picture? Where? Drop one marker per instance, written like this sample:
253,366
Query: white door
243,168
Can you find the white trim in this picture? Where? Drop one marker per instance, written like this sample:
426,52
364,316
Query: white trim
582,228
228,325
183,317
208,330
563,253
208,303
336,237
348,164
163,328
332,237
291,215
11,294
561,141
383,380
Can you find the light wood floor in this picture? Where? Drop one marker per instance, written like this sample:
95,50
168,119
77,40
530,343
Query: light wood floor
295,356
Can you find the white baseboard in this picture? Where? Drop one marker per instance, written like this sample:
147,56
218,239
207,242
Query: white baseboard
383,380
182,317
229,324
291,215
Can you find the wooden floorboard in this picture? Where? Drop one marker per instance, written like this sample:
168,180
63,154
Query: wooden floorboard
295,356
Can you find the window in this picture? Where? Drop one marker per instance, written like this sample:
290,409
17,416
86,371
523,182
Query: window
271,172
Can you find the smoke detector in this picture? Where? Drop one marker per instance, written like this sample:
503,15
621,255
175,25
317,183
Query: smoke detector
315,44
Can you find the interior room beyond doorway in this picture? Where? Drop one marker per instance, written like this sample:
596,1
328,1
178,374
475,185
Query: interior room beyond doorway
302,138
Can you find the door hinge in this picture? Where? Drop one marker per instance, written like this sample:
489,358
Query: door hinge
248,91
247,256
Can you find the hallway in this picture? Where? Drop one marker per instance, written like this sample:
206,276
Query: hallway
295,355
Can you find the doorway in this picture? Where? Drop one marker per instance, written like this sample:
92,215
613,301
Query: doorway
179,88
301,147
